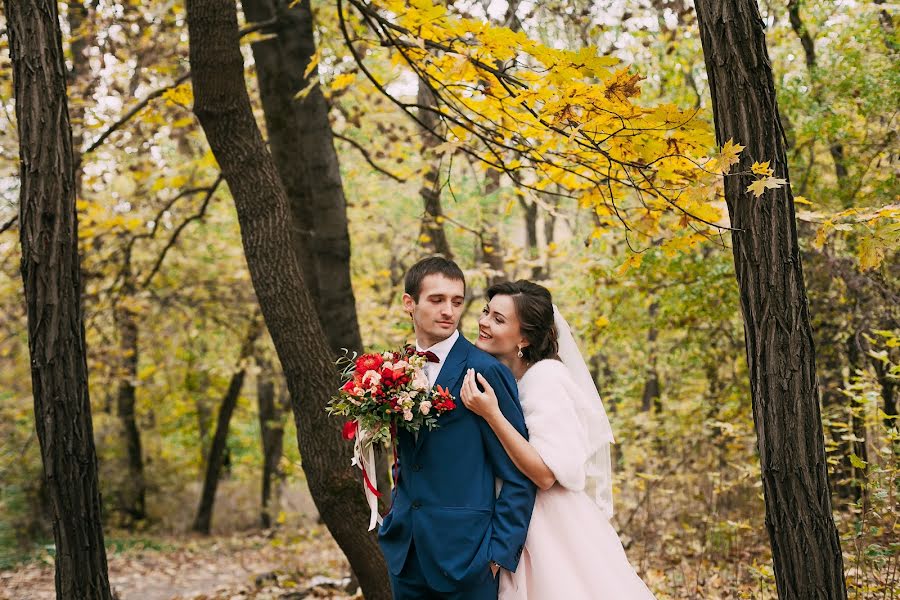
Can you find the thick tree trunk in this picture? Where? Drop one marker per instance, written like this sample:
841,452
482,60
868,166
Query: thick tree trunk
806,548
302,145
223,108
303,148
271,429
218,450
50,272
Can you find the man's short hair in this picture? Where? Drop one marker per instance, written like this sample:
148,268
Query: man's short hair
433,265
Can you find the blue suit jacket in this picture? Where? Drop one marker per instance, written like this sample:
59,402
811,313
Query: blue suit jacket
445,502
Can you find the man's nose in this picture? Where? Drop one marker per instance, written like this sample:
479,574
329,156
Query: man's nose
447,309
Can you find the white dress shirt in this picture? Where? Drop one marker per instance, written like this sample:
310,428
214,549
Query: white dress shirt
441,350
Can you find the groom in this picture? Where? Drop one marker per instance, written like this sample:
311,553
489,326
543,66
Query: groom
449,531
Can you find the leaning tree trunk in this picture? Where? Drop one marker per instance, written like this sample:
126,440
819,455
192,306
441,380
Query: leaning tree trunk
50,271
218,449
302,145
806,549
223,108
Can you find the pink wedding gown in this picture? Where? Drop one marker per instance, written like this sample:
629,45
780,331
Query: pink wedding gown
571,552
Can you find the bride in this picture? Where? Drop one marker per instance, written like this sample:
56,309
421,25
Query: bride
571,550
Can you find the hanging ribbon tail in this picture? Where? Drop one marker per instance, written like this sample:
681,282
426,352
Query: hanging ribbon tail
364,458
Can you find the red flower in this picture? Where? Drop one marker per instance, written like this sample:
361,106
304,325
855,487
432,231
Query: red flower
443,402
350,386
349,430
394,377
369,362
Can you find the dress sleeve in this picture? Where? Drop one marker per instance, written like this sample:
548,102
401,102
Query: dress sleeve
553,426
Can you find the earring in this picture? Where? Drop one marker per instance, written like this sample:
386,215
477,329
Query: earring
519,353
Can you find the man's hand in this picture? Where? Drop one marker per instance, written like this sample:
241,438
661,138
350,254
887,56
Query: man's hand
495,568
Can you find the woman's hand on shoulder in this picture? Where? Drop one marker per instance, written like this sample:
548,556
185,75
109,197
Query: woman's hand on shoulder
483,404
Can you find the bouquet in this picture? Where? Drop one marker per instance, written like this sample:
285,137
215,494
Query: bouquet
382,393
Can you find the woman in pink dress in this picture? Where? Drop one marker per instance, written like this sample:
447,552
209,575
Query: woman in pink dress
572,551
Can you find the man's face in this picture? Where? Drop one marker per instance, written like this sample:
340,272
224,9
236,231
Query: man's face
437,313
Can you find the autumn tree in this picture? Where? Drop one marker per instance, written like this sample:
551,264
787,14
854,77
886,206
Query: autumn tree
223,107
806,549
51,275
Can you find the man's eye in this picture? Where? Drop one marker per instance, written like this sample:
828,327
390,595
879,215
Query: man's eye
484,310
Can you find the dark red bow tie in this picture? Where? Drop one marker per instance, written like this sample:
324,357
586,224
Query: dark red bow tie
430,356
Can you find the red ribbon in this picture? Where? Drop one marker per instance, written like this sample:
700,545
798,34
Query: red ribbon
369,483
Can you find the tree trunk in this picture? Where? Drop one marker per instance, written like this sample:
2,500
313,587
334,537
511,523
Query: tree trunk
806,548
134,492
302,145
856,351
271,429
48,228
433,237
223,108
652,394
218,450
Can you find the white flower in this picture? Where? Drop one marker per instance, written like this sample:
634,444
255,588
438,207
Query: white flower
407,415
420,380
387,355
371,379
425,407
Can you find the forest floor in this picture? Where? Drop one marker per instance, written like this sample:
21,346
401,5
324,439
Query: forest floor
307,564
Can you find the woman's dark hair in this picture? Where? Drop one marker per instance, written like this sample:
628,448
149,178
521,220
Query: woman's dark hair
433,265
534,308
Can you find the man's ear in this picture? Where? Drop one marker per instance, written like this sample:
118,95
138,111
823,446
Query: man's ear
408,304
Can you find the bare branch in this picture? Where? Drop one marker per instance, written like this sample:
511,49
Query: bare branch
368,157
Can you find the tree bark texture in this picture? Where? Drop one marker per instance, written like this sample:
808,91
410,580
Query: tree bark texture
806,548
48,228
223,108
302,145
217,451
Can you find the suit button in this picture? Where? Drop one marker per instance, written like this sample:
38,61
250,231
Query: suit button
417,504
417,467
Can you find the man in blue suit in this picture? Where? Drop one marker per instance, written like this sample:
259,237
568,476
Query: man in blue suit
450,530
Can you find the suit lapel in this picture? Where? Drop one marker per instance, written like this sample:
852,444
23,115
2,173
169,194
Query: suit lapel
450,373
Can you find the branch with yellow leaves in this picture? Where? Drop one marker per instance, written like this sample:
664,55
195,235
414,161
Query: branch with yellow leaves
558,136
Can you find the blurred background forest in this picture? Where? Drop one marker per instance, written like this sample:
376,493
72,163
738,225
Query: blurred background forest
173,328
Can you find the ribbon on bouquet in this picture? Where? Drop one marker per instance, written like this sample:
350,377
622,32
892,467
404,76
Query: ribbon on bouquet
364,458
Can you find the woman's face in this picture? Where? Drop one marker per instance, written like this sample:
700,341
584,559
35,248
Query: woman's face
498,328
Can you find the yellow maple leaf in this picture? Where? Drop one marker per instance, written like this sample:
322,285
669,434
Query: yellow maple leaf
761,185
762,169
801,200
729,156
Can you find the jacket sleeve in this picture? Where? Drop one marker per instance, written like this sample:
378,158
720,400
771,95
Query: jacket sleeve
512,510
